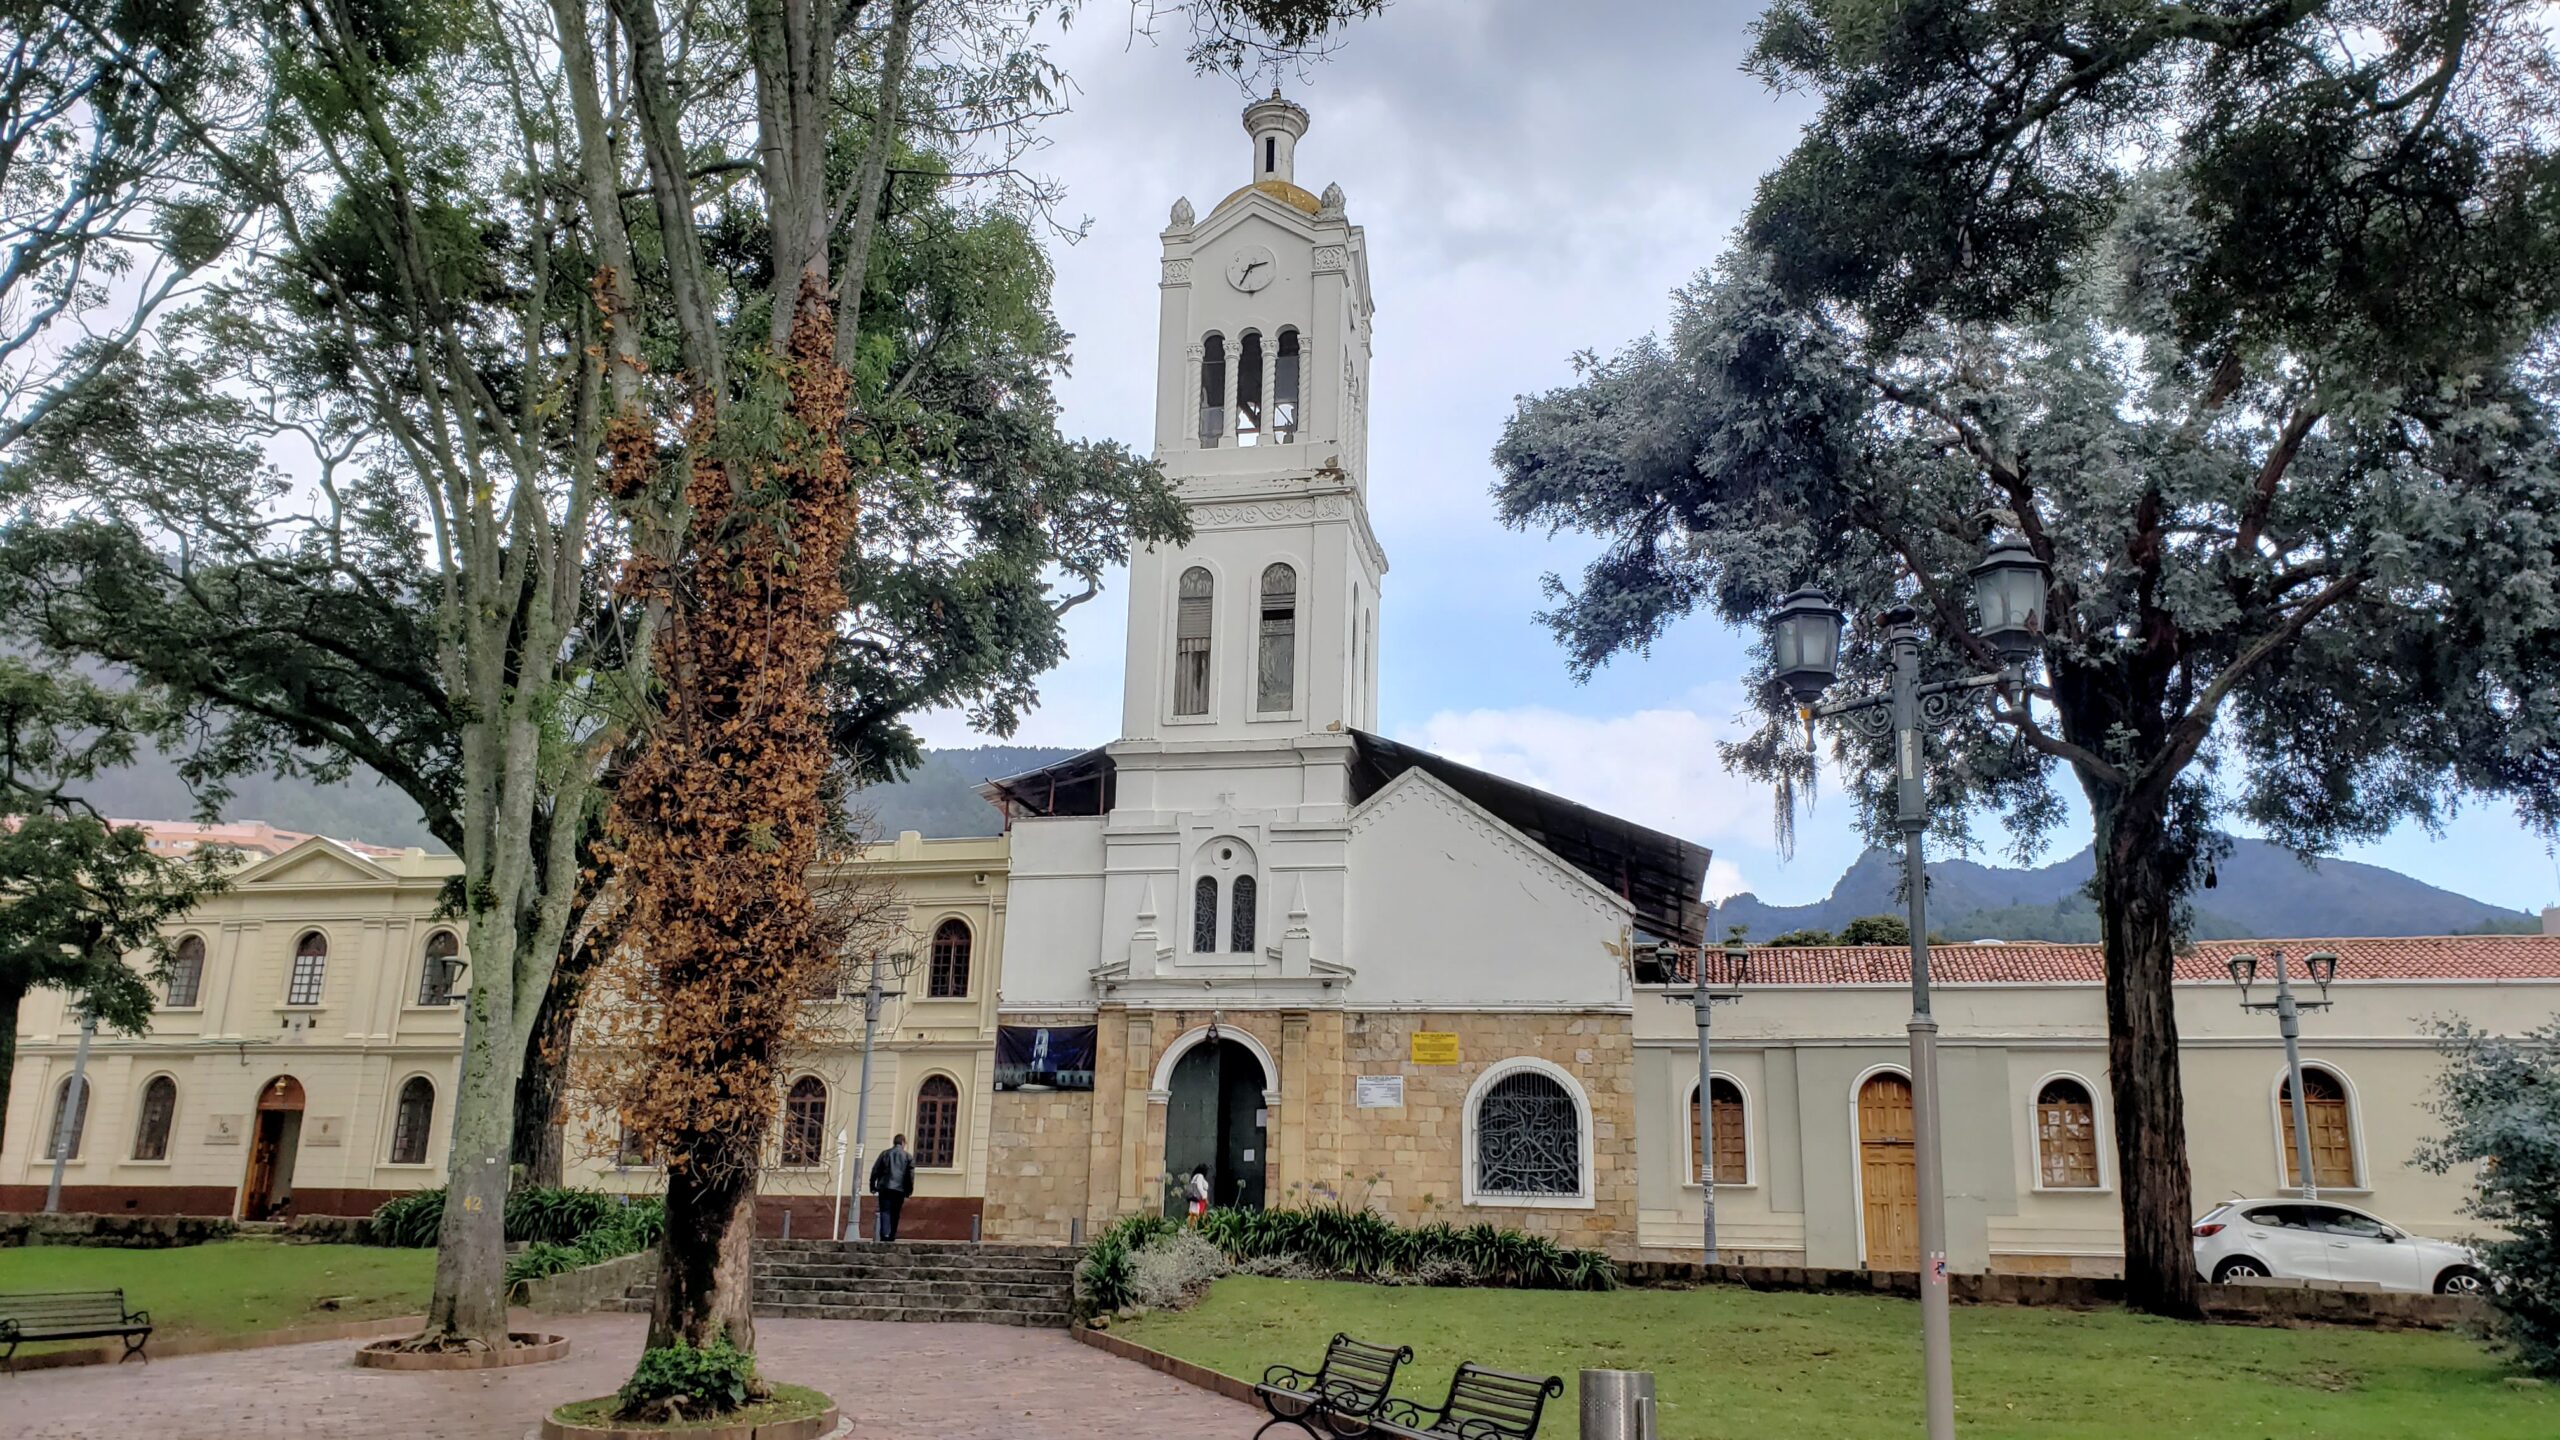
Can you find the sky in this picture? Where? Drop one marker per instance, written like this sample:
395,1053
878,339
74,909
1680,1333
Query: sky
1535,179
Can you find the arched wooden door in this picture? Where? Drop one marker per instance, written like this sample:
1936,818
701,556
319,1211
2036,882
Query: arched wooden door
1888,1173
273,1145
1214,1117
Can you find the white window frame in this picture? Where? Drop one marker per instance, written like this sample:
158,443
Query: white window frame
391,1125
1689,1146
2099,1128
959,1121
1219,590
1474,1197
169,1144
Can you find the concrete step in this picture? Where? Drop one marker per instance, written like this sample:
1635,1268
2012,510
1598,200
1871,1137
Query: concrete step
770,1245
906,1292
864,1273
1046,1318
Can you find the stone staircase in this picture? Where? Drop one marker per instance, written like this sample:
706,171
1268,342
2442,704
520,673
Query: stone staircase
915,1280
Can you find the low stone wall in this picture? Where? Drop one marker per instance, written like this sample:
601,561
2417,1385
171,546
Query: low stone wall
121,1232
2265,1302
574,1292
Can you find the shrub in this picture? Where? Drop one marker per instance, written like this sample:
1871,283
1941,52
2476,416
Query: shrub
674,1382
556,1214
410,1220
619,1229
2499,1097
1171,1272
1279,1267
1335,1239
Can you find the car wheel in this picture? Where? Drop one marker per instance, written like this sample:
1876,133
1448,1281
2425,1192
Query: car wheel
2462,1280
2230,1270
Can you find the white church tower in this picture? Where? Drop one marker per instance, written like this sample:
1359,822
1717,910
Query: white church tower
1252,649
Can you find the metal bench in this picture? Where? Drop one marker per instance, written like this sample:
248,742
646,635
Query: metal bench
72,1315
1347,1388
1483,1404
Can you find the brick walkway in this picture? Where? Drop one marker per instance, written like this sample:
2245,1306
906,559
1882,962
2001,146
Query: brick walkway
947,1382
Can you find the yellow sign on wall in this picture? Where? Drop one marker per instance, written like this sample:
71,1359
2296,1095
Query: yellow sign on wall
1435,1047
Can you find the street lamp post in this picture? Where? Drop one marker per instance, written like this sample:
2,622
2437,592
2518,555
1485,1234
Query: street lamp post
1704,996
2009,591
2323,968
74,1119
873,993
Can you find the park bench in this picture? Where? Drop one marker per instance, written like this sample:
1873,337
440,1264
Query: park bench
1483,1404
1348,1387
72,1315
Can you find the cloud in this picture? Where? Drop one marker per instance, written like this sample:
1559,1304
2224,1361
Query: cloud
1656,766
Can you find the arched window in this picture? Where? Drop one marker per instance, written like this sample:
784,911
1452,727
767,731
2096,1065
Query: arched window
804,1123
1528,1139
151,1130
435,977
186,974
1284,390
411,1123
2066,1136
1249,389
1213,389
1191,621
948,978
1240,901
310,968
1731,1141
1276,659
1204,915
937,1122
2333,1146
70,1118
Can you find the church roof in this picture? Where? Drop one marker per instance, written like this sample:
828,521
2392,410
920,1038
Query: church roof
1662,876
2035,962
1280,190
1083,784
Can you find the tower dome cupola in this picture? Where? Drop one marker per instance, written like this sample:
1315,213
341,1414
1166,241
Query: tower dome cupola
1275,125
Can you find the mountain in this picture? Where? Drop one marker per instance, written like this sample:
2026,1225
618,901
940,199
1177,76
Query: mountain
2260,889
939,799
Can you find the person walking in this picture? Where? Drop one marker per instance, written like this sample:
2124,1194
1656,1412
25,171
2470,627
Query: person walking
893,1179
1198,1190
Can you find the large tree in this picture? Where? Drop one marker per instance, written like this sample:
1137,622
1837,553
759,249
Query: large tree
2242,317
81,898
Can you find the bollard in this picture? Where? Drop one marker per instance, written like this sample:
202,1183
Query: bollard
1617,1405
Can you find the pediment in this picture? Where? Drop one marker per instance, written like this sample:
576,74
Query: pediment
316,861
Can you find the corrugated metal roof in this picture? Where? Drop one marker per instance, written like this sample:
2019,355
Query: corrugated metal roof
2418,957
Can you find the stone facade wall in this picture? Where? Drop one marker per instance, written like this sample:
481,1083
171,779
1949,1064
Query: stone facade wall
1409,1163
1060,1155
1038,1146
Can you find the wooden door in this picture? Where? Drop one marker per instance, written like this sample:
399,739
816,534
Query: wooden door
266,1143
2333,1146
1888,1173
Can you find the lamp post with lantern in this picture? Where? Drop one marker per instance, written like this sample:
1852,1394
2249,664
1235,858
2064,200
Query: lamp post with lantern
2009,588
1706,992
2322,966
878,969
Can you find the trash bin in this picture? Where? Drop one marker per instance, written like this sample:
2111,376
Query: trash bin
1617,1405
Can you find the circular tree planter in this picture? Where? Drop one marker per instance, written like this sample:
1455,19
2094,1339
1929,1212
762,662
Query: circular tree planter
794,1413
522,1349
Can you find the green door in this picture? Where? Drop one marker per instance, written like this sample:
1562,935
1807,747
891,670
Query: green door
1214,1116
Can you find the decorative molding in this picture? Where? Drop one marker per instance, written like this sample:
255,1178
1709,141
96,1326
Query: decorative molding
1329,257
1229,515
1182,214
1177,272
1330,203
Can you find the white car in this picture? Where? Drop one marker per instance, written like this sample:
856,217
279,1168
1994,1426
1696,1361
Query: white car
2321,1240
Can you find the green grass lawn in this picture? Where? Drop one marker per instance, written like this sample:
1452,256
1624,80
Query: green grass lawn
1731,1364
232,1287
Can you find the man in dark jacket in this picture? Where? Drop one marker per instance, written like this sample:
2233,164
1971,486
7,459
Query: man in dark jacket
893,1179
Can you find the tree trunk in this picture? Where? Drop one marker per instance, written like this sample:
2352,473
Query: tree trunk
2137,903
706,1267
11,993
542,1084
469,1303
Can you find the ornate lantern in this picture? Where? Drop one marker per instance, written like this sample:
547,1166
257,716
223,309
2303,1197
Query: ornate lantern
1804,639
2008,592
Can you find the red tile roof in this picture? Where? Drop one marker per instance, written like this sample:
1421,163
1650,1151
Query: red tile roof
2419,957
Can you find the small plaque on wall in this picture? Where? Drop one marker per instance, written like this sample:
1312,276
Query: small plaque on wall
324,1130
222,1129
1435,1047
1378,1092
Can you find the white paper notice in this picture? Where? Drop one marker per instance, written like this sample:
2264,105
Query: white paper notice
1378,1092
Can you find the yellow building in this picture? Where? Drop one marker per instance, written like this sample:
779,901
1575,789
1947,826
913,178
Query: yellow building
305,1053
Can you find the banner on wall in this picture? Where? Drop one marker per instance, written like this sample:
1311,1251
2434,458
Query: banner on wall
1044,1057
